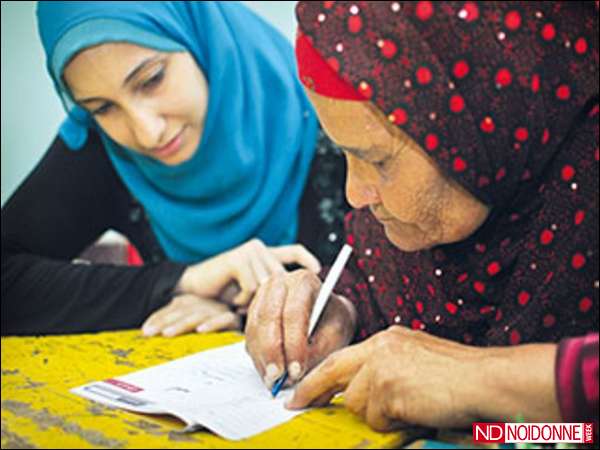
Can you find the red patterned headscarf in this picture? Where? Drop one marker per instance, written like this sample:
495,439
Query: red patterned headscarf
503,96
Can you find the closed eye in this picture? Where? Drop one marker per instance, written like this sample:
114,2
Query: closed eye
154,80
382,164
370,156
103,109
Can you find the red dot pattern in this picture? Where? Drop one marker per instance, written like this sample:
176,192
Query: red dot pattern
490,91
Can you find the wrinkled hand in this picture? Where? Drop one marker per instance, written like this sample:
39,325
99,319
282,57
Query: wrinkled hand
277,326
186,313
398,376
245,267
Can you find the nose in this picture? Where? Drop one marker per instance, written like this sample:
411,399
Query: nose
147,127
361,188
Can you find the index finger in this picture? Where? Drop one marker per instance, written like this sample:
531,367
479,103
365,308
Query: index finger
330,377
264,340
296,254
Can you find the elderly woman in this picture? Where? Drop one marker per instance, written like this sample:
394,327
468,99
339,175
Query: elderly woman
189,133
471,136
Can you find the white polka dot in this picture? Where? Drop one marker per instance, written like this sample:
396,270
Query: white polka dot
380,43
463,14
354,10
553,227
407,83
422,326
460,301
438,272
574,186
371,278
395,6
596,284
506,328
567,44
339,47
539,14
368,252
397,319
432,116
501,35
533,266
321,17
451,85
332,237
438,318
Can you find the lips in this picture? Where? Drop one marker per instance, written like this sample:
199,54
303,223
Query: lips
170,147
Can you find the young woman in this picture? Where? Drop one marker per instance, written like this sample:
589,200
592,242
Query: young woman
188,132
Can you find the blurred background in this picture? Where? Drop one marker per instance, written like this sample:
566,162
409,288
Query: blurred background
31,111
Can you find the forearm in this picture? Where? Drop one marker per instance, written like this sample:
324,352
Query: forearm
517,382
43,296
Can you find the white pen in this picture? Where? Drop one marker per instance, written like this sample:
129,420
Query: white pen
321,302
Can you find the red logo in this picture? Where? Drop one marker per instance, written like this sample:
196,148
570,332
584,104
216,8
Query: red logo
508,433
123,385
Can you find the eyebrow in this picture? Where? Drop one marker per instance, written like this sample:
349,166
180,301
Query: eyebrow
130,76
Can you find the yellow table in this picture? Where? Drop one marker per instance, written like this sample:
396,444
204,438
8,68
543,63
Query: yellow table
39,411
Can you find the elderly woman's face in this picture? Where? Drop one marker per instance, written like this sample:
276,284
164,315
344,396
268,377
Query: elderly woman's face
149,101
388,172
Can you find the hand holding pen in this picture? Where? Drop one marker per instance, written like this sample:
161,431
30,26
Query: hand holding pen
279,321
320,303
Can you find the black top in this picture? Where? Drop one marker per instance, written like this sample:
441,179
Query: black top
71,198
63,206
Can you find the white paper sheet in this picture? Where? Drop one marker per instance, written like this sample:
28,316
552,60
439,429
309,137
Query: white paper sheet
218,389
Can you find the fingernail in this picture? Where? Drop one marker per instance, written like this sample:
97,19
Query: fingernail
271,374
294,369
201,328
169,331
149,331
289,404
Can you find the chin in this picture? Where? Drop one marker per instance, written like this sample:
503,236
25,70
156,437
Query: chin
178,158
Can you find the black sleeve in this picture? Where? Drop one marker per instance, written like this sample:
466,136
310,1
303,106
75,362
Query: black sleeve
63,206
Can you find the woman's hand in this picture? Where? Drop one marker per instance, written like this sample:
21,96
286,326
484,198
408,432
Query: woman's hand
277,326
186,313
242,270
400,376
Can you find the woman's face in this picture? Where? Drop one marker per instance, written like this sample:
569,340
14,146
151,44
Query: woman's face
148,101
388,172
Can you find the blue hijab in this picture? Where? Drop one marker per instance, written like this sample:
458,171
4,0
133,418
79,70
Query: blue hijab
248,174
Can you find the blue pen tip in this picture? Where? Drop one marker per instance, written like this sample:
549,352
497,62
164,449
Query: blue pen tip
278,385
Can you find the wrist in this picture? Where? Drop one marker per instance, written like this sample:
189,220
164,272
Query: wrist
517,383
185,285
209,279
351,320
